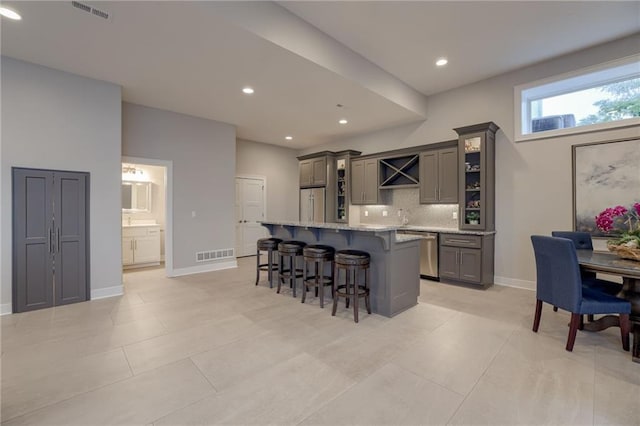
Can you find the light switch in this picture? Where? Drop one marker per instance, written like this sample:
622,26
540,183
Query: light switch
455,215
193,213
385,213
366,213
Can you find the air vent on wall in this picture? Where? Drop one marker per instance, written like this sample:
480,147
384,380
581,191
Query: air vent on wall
208,256
92,10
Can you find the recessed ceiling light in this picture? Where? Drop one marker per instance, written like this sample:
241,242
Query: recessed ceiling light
343,121
248,90
442,62
8,13
288,137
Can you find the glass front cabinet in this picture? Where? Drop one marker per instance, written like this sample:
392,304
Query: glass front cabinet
476,156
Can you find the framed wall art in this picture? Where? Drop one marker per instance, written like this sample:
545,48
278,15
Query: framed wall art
605,174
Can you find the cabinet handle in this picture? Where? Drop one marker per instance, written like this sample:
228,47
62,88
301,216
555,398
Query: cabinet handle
50,235
461,259
135,244
58,240
435,193
457,253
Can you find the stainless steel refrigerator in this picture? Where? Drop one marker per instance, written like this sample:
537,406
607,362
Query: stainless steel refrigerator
312,202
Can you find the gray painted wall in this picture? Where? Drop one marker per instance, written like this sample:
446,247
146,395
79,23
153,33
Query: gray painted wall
204,155
533,179
56,120
280,167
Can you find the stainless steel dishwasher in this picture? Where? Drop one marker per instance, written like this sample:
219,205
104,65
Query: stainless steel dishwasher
428,253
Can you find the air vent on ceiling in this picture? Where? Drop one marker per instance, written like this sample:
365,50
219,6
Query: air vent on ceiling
92,10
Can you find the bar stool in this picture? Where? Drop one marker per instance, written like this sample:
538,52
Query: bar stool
352,261
317,254
288,252
269,245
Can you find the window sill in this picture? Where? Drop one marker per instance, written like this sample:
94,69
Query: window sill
549,134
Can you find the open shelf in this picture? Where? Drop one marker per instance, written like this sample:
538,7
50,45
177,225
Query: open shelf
400,171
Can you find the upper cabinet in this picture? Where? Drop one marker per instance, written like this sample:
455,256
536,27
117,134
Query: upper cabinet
313,172
439,176
343,187
364,181
476,154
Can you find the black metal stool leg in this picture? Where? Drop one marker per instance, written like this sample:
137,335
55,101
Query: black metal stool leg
280,271
356,294
258,266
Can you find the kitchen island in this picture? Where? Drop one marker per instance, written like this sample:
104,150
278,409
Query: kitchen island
395,258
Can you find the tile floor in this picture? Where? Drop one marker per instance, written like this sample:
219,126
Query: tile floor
214,349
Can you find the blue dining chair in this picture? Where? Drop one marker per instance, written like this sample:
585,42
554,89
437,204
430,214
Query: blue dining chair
558,282
583,241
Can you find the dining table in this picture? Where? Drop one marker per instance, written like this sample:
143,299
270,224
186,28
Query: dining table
629,271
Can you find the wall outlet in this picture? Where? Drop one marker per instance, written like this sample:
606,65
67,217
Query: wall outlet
366,213
454,215
385,213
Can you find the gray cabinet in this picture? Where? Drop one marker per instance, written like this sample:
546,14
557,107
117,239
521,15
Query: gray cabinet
476,159
466,258
364,181
50,238
343,184
313,172
439,176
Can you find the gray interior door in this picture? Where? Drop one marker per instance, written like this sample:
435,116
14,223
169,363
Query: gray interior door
50,241
70,257
32,240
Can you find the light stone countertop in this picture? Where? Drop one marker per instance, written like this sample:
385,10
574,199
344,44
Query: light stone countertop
376,228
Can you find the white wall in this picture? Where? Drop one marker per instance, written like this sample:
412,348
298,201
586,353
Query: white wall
56,120
533,179
204,156
280,167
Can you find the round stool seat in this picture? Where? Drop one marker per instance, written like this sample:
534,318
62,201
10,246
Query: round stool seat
318,251
268,243
352,257
291,247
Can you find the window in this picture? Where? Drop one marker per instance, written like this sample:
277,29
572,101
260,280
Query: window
597,98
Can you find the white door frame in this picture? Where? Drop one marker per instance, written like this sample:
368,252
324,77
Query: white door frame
264,198
168,205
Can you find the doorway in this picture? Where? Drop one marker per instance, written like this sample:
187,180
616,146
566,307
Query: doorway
250,209
147,213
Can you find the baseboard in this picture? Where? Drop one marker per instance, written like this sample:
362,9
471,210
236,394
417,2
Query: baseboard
204,268
514,282
6,309
101,293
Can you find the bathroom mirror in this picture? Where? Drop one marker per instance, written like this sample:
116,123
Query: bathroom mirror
136,197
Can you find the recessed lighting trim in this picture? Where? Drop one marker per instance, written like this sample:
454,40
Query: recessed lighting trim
288,137
442,62
11,14
343,121
248,90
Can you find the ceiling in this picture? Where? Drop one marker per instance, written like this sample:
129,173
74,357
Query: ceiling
303,58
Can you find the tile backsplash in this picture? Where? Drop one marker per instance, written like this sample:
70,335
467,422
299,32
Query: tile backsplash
398,202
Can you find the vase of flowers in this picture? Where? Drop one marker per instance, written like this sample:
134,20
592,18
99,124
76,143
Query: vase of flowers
626,243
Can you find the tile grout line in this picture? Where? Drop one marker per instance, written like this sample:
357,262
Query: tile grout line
481,376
